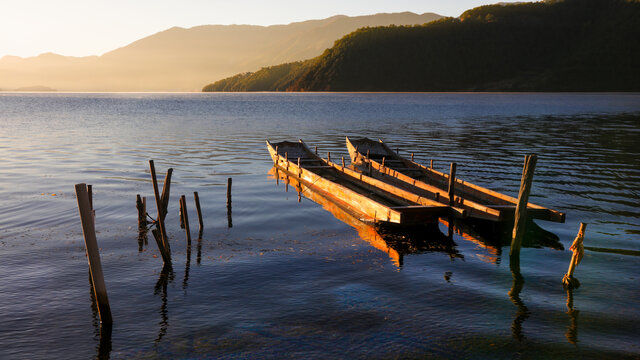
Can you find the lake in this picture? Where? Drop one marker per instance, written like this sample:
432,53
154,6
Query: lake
289,279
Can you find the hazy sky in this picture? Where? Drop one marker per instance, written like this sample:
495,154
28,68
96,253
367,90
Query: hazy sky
93,27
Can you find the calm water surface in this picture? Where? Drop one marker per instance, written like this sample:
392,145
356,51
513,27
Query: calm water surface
289,280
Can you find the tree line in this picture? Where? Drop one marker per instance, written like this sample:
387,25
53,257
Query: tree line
554,45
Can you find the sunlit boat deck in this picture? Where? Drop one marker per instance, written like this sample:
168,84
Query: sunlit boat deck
359,194
377,160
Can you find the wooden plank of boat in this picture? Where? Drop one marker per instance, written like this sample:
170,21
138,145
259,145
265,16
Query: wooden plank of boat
399,180
481,202
373,204
417,199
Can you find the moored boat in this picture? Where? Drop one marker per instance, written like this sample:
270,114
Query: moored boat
353,191
380,162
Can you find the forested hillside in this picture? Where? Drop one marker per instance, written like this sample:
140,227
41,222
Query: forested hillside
570,45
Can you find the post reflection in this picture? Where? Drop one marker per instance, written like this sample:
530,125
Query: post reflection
102,332
166,276
199,249
394,241
514,294
187,265
572,331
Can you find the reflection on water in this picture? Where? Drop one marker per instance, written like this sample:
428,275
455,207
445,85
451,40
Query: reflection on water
102,331
395,241
514,294
572,329
166,276
288,277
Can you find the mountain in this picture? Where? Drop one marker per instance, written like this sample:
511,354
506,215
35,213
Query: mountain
554,45
179,59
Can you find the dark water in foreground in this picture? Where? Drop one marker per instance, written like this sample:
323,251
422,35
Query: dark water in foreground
289,280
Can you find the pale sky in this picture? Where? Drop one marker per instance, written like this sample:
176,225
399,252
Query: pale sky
93,27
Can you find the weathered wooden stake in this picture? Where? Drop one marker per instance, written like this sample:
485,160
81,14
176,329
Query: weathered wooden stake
383,161
90,193
196,198
343,162
520,220
185,218
93,254
162,244
275,161
229,181
166,258
229,222
180,213
316,150
166,189
452,181
329,156
411,156
431,164
142,213
578,252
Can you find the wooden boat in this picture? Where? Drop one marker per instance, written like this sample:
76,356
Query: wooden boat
371,199
395,243
382,163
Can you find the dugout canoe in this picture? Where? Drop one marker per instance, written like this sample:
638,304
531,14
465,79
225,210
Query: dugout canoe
380,162
360,194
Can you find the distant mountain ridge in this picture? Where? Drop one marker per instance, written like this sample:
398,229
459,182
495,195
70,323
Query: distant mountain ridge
178,59
552,45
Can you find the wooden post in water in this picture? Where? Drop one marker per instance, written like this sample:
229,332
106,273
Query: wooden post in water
180,213
568,281
411,156
142,213
93,254
90,193
166,189
431,164
329,156
383,161
520,220
164,249
185,218
229,181
196,198
452,181
343,162
316,150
